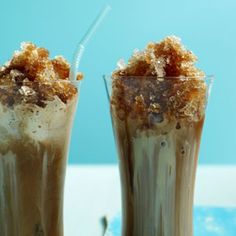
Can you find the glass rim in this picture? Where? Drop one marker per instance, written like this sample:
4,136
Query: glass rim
206,77
76,83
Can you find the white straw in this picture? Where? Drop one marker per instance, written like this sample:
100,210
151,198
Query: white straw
84,41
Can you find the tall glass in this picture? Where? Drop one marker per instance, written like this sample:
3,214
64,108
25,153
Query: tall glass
34,141
158,150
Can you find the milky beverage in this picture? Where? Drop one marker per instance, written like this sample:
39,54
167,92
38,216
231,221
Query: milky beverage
158,103
37,104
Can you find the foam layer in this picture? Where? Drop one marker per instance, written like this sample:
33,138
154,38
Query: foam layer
34,122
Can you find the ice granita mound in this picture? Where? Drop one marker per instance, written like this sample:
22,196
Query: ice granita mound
161,82
32,77
168,58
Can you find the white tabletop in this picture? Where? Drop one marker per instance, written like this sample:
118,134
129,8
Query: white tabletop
93,191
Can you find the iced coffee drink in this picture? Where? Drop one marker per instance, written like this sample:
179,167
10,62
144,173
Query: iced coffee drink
37,104
158,102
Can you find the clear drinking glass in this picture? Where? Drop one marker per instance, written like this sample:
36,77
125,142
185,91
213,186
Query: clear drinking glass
34,142
158,150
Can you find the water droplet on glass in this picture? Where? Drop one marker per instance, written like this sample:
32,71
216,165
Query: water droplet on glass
163,143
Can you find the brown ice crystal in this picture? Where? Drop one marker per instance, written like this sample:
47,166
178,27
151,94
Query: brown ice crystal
32,77
168,58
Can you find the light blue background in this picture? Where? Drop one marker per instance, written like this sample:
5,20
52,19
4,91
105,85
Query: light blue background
206,26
